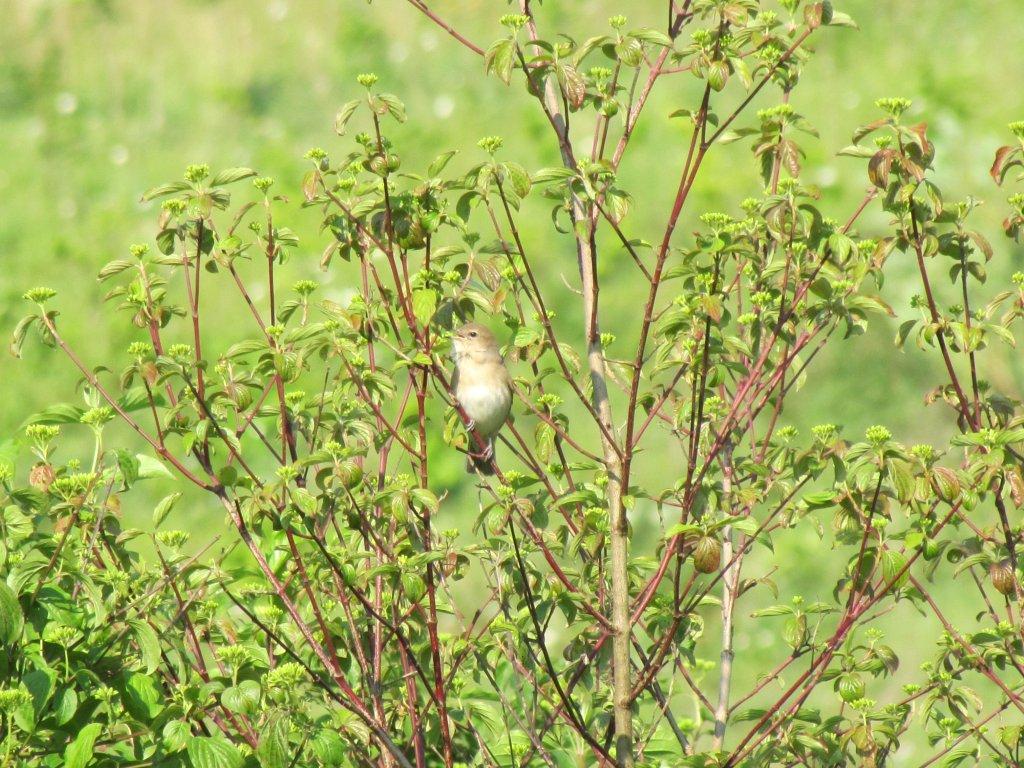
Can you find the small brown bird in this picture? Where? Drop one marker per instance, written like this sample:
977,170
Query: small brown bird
483,387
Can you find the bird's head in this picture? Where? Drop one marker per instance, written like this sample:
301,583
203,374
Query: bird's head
474,341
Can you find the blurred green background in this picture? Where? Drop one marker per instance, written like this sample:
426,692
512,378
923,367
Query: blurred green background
101,99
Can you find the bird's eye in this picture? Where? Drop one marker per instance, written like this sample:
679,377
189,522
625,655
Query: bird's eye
473,334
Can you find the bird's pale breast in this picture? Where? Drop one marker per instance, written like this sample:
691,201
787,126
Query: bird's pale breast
486,406
484,395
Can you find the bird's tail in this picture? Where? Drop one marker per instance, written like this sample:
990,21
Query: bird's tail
482,463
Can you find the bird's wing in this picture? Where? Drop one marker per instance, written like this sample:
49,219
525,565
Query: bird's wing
506,377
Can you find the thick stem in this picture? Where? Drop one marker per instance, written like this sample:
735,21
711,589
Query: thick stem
730,582
618,522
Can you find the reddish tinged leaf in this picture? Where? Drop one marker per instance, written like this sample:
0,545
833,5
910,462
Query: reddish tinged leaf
789,154
1006,158
919,135
866,130
718,74
735,13
814,15
499,59
879,168
982,243
572,84
913,169
1016,486
1011,226
309,185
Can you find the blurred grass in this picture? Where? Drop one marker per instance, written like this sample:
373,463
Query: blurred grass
100,100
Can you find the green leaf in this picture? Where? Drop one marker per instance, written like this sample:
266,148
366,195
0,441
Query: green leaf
20,331
718,74
134,399
329,748
213,752
230,176
442,160
61,413
79,752
775,610
519,177
272,751
960,754
115,267
39,683
344,115
500,58
243,698
841,246
544,175
12,620
141,697
164,507
148,642
425,498
165,240
856,151
176,735
652,36
893,563
165,189
840,19
747,525
902,480
394,105
630,52
245,347
129,466
150,468
572,85
424,304
65,704
820,498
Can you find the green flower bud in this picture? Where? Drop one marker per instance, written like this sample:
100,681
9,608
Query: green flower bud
196,173
39,295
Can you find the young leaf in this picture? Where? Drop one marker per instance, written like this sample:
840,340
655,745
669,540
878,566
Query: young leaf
148,642
230,176
11,618
150,468
500,58
272,751
162,190
393,105
344,115
243,698
166,505
424,304
79,752
20,331
213,752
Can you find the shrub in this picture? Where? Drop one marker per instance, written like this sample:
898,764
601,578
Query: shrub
589,616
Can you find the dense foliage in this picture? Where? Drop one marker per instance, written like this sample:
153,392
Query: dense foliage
589,616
